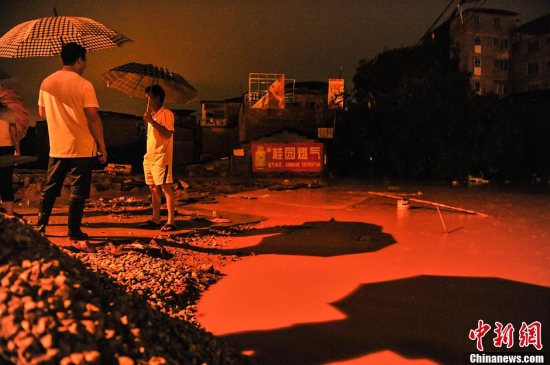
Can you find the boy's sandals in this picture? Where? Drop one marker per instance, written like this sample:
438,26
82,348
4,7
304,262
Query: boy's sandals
168,227
220,220
82,246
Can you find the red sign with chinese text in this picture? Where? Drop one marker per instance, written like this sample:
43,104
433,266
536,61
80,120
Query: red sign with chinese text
298,156
335,93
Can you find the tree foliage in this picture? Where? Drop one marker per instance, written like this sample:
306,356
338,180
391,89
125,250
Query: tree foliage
413,116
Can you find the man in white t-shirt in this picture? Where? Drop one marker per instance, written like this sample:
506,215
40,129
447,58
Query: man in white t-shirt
157,162
69,104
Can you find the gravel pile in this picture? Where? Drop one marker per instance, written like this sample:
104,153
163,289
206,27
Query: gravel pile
101,308
169,272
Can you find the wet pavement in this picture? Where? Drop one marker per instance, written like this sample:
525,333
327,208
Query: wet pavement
335,275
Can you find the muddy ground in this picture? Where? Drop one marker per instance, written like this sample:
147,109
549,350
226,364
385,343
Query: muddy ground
146,270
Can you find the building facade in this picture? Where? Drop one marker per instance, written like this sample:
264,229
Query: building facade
480,38
531,55
499,56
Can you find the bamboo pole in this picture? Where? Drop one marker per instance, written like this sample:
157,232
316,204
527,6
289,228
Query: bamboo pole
427,202
442,221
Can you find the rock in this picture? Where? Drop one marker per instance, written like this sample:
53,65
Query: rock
66,361
47,341
109,333
26,344
8,326
4,294
92,357
125,360
157,360
89,326
46,358
207,267
77,358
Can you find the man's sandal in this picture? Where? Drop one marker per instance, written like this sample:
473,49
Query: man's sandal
83,246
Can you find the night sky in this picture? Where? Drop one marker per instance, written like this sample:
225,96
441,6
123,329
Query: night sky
215,44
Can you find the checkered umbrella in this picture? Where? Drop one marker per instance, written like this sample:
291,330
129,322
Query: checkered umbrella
12,107
46,36
133,78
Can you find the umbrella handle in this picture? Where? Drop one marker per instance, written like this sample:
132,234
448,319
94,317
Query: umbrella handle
147,110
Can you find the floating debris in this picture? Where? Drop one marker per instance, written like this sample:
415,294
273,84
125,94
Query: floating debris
476,181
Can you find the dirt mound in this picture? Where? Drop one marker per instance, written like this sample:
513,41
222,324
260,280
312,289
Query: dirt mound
55,309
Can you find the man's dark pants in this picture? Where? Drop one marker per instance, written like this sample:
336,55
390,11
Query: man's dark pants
80,173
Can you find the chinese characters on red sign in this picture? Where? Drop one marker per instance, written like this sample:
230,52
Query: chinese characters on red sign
504,335
299,156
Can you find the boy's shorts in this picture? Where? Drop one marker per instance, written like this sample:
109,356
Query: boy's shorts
157,174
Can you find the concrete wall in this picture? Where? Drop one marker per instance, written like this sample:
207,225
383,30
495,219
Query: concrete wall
304,116
125,139
218,141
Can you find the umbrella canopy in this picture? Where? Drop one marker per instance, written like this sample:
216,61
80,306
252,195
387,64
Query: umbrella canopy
46,36
133,78
14,104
